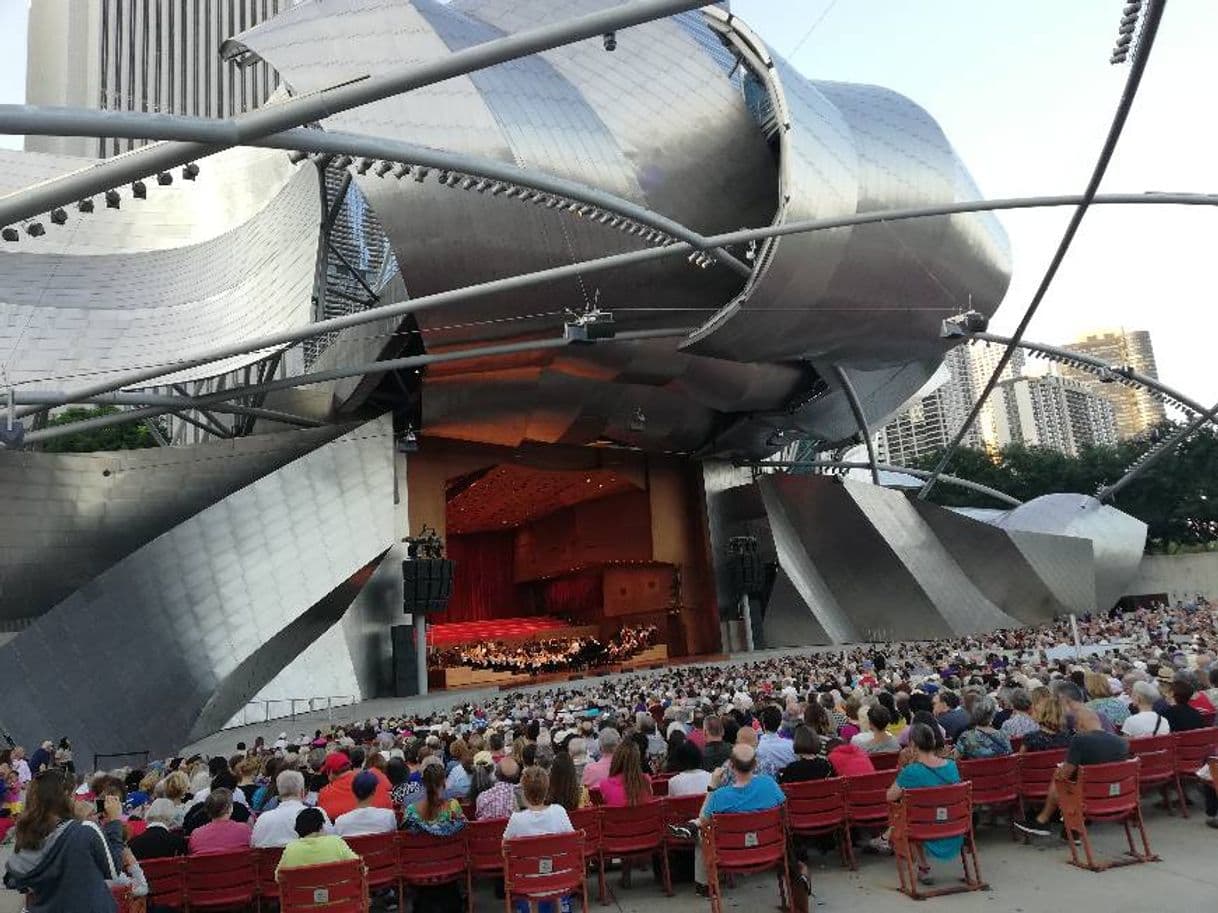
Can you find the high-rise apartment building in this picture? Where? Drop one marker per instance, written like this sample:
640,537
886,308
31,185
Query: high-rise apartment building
141,55
1135,409
1052,411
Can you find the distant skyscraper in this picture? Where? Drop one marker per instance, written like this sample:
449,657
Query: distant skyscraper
1052,411
141,55
1136,410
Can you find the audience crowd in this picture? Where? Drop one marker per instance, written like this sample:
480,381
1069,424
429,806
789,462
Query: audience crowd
733,731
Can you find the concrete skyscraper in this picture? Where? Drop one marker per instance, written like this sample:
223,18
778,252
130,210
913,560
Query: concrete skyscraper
1051,411
1135,409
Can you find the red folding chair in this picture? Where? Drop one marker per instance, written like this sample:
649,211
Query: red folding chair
1103,792
743,843
1209,717
545,868
425,861
588,820
995,784
484,851
166,881
659,785
1193,747
333,887
221,881
1158,771
1016,743
631,832
594,793
380,855
124,899
867,801
818,807
266,860
886,760
1036,772
937,813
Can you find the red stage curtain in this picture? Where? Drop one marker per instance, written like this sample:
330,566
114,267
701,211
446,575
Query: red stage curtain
483,585
579,597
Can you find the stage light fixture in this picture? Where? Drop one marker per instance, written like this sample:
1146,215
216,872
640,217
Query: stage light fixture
84,206
139,190
383,169
965,324
401,171
468,184
10,234
498,188
59,216
409,441
609,40
35,230
592,325
190,172
164,178
113,200
297,157
342,162
364,165
420,173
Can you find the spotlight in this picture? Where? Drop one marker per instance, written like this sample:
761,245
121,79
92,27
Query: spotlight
609,39
364,165
190,172
402,170
592,325
10,234
409,441
965,324
498,189
383,169
59,216
342,162
84,206
420,173
297,157
35,230
468,184
113,200
638,421
164,178
139,190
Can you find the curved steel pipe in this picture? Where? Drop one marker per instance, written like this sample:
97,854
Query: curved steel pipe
888,467
860,418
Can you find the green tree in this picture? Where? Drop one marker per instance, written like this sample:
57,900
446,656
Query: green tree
127,436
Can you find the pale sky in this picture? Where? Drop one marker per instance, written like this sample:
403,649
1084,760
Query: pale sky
1025,92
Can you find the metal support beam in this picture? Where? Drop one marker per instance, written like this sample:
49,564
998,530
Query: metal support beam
887,467
206,427
1152,456
601,264
316,106
1150,27
351,269
219,428
860,419
171,403
336,204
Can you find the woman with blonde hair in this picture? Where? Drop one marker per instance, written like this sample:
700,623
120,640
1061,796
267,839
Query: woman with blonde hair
1052,732
1103,702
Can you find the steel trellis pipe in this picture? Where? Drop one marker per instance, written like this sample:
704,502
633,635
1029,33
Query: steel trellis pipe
888,467
1150,27
860,418
317,106
1152,456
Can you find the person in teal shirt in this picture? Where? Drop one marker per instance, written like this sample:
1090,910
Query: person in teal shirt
929,770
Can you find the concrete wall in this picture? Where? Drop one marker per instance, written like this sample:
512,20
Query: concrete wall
1179,576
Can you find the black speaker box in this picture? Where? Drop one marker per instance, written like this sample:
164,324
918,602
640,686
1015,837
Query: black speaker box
427,585
405,661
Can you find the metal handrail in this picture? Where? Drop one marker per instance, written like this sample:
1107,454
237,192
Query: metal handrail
311,703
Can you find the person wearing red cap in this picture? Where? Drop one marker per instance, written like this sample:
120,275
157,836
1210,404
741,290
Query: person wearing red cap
338,797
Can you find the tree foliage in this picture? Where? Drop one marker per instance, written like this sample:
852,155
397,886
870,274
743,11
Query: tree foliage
128,436
1177,497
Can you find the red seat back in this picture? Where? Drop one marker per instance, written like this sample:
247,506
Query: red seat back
124,898
632,829
995,780
485,845
659,785
551,866
1109,790
594,793
747,841
1016,743
1193,747
816,806
680,810
380,855
867,797
1036,770
886,760
221,880
334,887
427,860
934,813
266,860
165,881
1158,754
588,820
1208,717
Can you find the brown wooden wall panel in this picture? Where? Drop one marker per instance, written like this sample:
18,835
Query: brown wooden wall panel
591,534
632,590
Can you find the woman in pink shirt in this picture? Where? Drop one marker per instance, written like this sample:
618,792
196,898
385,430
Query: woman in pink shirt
626,783
222,835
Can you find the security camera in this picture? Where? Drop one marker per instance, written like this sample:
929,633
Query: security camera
610,41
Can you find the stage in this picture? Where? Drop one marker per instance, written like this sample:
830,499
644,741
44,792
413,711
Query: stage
505,630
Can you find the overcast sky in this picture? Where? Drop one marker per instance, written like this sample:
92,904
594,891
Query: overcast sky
1025,93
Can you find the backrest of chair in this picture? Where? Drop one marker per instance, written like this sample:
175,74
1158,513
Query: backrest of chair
886,760
221,879
123,896
594,793
1209,717
424,859
333,887
1107,789
1193,746
816,804
937,812
484,844
994,779
544,866
1016,743
588,820
681,809
659,785
1036,770
165,880
867,795
1158,754
379,852
632,828
747,839
266,860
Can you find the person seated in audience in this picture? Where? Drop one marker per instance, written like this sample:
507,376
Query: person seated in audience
1102,700
277,827
909,753
365,818
626,783
596,771
1180,714
853,725
773,751
1090,745
716,749
500,800
896,722
982,740
810,761
314,845
564,786
929,769
1145,721
690,779
816,718
434,814
577,748
1054,732
222,834
460,771
540,815
951,716
876,739
159,839
1020,722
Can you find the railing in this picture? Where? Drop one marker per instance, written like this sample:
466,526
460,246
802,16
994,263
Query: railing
288,708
